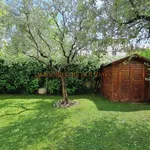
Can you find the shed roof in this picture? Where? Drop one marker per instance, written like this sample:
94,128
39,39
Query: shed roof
128,58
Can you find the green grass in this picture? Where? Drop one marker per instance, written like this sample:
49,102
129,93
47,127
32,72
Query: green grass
31,123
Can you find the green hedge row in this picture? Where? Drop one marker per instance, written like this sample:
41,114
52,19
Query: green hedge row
21,78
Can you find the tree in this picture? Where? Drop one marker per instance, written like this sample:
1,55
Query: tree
2,14
113,39
53,32
132,17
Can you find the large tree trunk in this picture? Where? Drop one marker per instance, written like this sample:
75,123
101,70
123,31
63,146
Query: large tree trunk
64,90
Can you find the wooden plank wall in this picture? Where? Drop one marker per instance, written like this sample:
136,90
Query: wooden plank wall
106,82
148,83
115,82
137,82
121,83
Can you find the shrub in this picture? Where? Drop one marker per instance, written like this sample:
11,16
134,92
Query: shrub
54,86
74,85
19,77
32,86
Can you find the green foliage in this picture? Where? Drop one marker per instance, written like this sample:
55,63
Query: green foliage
32,86
145,53
19,77
141,51
53,32
75,85
131,17
54,86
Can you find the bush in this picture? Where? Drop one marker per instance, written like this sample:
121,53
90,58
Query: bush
19,77
54,86
32,86
74,85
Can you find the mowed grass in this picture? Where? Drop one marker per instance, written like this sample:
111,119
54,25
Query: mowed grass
32,123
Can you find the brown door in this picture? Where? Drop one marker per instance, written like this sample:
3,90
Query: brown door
137,82
124,82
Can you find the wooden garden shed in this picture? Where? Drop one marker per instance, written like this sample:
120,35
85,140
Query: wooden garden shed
125,79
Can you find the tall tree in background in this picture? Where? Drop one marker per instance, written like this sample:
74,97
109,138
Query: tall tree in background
53,31
114,38
2,24
132,17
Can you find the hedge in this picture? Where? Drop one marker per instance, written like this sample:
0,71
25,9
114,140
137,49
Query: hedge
21,78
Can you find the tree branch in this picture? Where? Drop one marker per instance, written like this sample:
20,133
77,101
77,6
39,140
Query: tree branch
71,49
138,17
36,58
32,37
132,3
62,47
43,62
75,52
40,35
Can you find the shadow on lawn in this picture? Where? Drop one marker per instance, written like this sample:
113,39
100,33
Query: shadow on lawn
107,134
45,124
104,104
27,97
24,109
101,103
48,131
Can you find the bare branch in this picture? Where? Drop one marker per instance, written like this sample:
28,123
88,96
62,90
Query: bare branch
62,47
43,62
57,24
132,3
75,52
32,37
63,17
138,17
37,58
80,24
40,35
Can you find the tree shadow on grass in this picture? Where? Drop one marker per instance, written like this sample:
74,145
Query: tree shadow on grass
24,109
28,97
104,104
107,135
43,124
101,103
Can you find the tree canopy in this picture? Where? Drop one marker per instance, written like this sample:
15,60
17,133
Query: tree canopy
132,17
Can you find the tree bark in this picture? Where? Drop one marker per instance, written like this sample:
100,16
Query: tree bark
64,90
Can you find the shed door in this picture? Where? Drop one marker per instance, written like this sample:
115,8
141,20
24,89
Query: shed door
136,82
124,82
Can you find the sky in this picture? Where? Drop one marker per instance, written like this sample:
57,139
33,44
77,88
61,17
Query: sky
99,3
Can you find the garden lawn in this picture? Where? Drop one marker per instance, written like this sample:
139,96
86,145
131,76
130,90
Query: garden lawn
32,123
